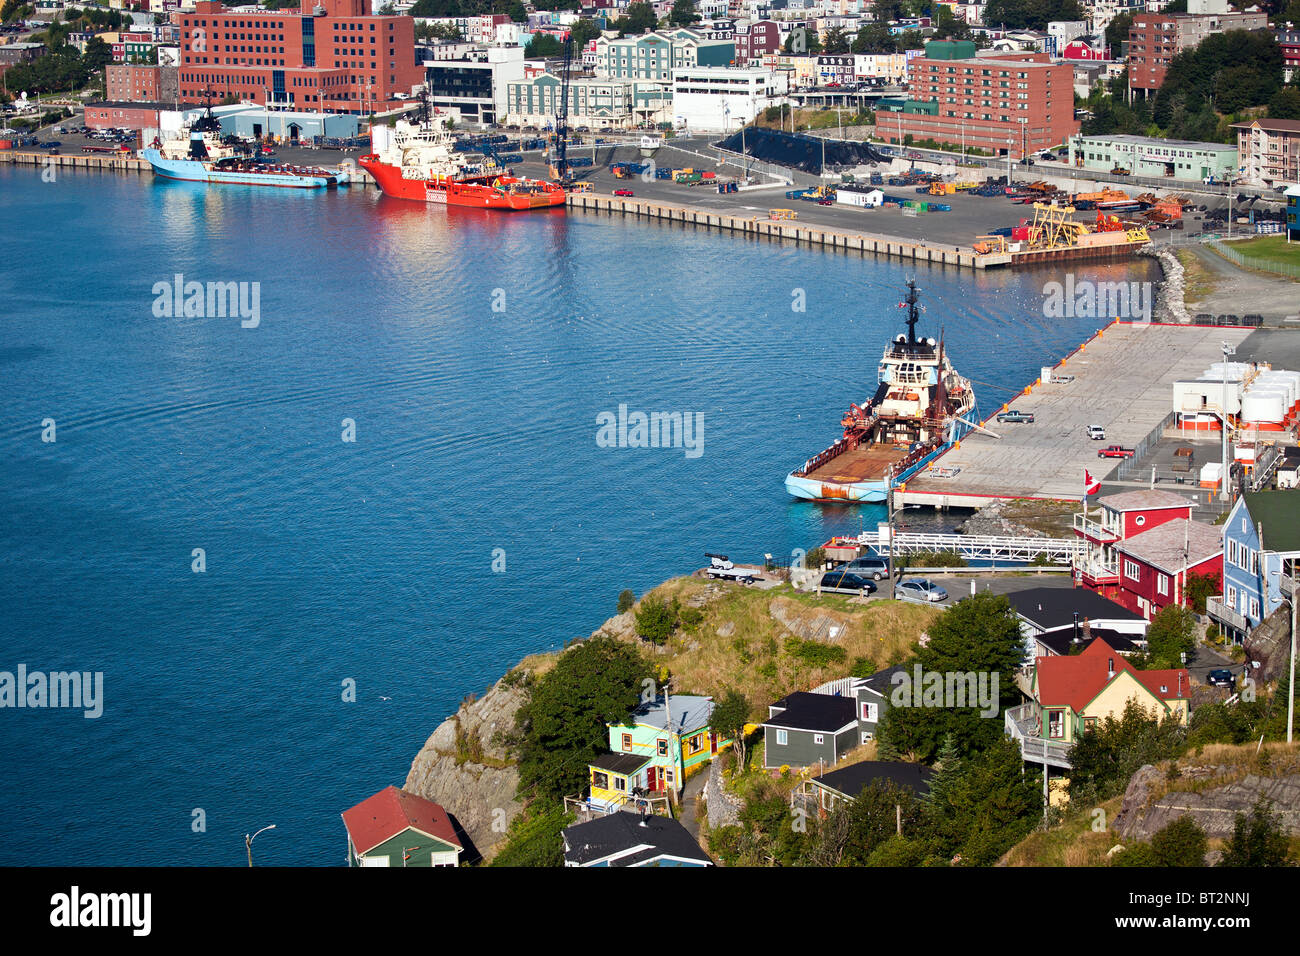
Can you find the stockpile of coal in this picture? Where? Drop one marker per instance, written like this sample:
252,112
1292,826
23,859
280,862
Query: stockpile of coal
801,152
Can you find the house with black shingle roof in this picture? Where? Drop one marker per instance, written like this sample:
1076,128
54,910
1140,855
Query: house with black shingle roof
630,839
822,725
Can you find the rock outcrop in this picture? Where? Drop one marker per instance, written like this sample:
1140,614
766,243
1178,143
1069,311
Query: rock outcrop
1270,644
1170,304
1214,808
808,623
723,808
463,767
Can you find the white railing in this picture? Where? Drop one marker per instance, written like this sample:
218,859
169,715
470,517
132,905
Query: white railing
1023,726
1094,529
982,547
1218,611
1097,569
843,687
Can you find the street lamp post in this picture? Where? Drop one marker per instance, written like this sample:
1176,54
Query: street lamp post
1223,421
248,841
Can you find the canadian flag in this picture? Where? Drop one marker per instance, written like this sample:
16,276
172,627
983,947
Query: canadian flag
1090,484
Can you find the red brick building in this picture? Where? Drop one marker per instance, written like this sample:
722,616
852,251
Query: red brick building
755,39
1015,101
1143,546
1154,39
123,115
342,60
126,83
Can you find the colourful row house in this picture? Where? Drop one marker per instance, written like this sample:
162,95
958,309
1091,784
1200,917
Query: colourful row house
659,745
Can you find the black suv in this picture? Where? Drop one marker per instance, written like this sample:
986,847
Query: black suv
844,582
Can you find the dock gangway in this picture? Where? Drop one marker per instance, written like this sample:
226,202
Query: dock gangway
979,547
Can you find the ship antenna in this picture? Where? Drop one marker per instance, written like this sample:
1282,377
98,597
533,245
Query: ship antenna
911,312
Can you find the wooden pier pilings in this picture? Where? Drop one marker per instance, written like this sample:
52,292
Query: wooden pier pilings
792,230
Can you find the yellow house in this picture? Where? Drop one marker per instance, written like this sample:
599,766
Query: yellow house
1074,693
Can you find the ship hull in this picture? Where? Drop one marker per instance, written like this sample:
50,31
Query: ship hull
192,171
870,491
476,195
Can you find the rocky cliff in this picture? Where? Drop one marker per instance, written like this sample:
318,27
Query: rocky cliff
464,767
1150,805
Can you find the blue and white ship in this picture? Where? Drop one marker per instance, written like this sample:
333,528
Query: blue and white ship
198,155
920,409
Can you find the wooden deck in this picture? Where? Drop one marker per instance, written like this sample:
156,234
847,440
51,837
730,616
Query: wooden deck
864,463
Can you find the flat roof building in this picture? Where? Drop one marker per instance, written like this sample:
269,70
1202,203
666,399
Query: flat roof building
1270,151
1175,159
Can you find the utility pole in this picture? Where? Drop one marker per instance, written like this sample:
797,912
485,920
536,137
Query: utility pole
1290,693
1223,420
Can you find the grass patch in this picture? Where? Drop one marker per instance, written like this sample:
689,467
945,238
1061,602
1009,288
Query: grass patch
740,643
1272,249
1072,842
1198,280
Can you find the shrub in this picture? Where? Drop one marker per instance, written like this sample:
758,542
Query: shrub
626,599
814,653
656,619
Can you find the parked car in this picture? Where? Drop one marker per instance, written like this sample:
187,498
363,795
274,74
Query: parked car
622,192
1221,677
1116,451
1096,433
1015,416
1227,319
869,565
845,582
920,589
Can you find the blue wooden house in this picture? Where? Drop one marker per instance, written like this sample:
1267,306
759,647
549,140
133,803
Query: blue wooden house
1261,540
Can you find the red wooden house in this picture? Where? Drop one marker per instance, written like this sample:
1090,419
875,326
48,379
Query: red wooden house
1142,547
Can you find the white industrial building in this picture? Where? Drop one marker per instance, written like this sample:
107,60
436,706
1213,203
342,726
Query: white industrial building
721,99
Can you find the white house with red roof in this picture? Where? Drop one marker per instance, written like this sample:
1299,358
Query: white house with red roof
1142,546
396,828
1071,694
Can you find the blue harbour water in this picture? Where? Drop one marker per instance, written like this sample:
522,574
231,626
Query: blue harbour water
372,560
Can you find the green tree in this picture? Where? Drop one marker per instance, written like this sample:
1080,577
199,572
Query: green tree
985,808
626,601
534,838
809,39
640,18
730,714
979,636
874,38
543,45
1172,633
837,41
1180,843
683,13
1285,103
1117,31
873,818
656,619
583,32
1258,839
1104,758
1030,14
562,726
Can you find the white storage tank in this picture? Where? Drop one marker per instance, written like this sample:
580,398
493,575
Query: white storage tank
1264,405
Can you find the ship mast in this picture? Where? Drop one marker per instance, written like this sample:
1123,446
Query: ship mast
912,312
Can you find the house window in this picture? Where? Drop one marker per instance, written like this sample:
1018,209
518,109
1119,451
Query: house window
599,780
782,737
695,744
627,742
661,746
1056,724
1131,570
1089,724
1230,598
870,712
819,739
1254,607
1140,520
1162,584
867,736
620,784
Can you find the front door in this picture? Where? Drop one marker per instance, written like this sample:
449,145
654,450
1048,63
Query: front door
713,743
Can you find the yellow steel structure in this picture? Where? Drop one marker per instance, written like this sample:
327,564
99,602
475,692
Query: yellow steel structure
1052,230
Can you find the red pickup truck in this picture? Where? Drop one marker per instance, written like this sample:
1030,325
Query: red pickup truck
1116,451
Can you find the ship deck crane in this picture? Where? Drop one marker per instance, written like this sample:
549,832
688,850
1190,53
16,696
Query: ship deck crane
560,166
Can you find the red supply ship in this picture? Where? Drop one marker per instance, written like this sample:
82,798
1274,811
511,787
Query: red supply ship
417,161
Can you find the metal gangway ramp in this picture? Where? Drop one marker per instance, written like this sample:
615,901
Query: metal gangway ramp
980,547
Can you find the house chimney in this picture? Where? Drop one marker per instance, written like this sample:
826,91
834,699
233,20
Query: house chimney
1110,667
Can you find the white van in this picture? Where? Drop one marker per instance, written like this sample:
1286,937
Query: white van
1096,433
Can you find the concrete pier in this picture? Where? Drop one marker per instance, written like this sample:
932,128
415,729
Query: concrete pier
786,229
115,162
1123,380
